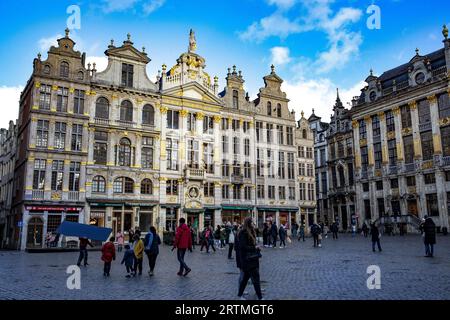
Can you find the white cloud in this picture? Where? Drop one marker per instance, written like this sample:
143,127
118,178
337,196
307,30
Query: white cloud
275,25
100,62
319,94
46,43
280,56
282,4
147,6
10,97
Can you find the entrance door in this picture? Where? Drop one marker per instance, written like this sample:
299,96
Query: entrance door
34,233
344,220
412,207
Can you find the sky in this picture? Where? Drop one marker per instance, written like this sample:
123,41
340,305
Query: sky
315,45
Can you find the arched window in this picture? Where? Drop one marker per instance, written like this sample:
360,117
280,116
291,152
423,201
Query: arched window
80,75
304,134
47,69
146,186
64,69
235,99
279,110
124,158
99,184
123,185
102,108
269,108
126,111
148,115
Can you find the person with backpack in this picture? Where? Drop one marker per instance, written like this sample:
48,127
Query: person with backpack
108,255
128,259
183,242
151,243
428,228
274,234
249,258
315,231
138,247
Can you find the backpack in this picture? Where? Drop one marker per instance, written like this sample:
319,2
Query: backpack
149,237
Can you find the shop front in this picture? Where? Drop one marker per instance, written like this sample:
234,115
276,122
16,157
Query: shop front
236,214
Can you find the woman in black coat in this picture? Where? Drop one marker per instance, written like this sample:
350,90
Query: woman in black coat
429,233
375,237
249,256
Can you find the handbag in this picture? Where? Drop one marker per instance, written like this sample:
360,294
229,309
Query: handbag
254,255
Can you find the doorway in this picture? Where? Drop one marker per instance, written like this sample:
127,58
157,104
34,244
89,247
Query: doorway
34,232
344,218
412,207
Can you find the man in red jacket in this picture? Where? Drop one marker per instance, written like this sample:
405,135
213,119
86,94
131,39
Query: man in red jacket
183,241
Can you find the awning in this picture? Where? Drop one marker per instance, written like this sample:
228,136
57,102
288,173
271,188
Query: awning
278,209
74,229
190,210
237,208
105,204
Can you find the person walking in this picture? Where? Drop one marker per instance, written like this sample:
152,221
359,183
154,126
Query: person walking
138,247
249,258
376,235
315,231
353,230
294,229
108,255
211,241
193,235
335,229
265,233
183,242
365,230
128,259
222,237
152,242
428,229
120,240
301,234
130,236
282,233
274,234
231,241
84,242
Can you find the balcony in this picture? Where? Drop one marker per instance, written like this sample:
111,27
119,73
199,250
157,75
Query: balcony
393,169
194,173
104,122
410,167
37,195
237,179
74,195
425,126
125,123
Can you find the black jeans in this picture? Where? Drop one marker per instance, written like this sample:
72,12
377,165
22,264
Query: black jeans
282,242
180,256
376,242
107,268
83,254
335,235
152,260
129,268
316,240
138,265
301,236
210,243
274,241
254,275
230,250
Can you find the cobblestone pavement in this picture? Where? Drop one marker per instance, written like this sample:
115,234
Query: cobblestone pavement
335,271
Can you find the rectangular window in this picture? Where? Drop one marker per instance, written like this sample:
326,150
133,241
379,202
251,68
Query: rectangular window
378,155
248,193
62,99
281,165
271,194
271,163
269,128
261,194
247,170
408,144
172,187
235,124
45,95
280,135
259,130
245,126
350,174
224,144
429,178
147,152
444,105
406,117
224,124
424,111
127,75
77,136
376,126
301,169
193,153
100,147
42,133
235,145
208,189
324,183
290,136
309,170
411,181
172,154
392,149
301,152
332,151
362,129
366,187
74,176
291,193
78,102
381,209
39,174
364,158
390,121
302,188
311,192
445,137
57,175
282,193
225,168
225,191
394,183
208,157
208,125
432,205
236,168
379,185
309,153
173,118
247,147
349,147
259,163
291,169
367,208
341,152
192,122
427,145
60,135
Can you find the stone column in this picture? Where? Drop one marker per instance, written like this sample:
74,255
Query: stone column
51,135
415,130
91,139
435,127
217,146
137,150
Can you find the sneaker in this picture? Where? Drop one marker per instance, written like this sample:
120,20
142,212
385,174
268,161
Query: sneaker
242,298
86,264
78,264
151,273
245,293
186,272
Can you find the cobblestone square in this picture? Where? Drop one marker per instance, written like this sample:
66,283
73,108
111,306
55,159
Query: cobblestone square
335,271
